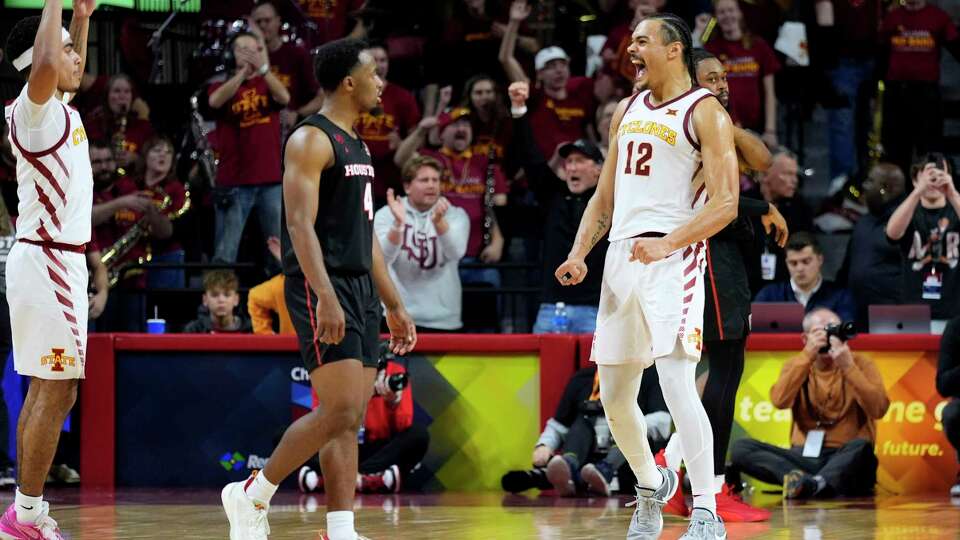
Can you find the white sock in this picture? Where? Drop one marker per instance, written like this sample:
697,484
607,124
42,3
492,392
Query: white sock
340,526
27,507
260,489
707,502
619,386
718,482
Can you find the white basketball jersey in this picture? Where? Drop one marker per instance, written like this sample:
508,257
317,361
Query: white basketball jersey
54,178
658,187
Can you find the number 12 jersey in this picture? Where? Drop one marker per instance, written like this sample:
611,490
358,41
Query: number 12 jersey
658,185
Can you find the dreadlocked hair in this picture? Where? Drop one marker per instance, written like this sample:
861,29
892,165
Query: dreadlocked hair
673,28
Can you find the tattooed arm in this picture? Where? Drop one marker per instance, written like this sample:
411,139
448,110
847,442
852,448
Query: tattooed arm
599,212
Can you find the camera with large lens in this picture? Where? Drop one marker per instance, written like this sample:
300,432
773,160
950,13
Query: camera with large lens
842,331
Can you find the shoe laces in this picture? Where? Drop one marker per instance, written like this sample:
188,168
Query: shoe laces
47,525
258,520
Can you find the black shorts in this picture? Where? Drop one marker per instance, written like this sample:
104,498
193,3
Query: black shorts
361,311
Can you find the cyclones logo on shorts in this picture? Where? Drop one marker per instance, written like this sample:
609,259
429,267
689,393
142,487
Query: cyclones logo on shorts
696,337
57,360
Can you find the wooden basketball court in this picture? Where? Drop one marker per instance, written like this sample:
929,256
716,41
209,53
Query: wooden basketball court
178,514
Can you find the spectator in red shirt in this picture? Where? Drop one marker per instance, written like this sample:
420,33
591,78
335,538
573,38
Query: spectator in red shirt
751,65
489,117
463,183
291,64
332,18
561,106
391,444
113,121
383,132
159,181
247,99
911,36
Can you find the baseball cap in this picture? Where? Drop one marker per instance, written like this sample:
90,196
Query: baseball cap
585,147
452,116
547,55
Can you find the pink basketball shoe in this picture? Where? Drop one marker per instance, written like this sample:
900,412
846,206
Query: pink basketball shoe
44,528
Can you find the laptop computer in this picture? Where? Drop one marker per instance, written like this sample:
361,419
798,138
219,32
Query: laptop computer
893,319
777,317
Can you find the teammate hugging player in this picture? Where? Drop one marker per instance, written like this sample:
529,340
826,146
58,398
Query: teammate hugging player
46,269
670,182
334,269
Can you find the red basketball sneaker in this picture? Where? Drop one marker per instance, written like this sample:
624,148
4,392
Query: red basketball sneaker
732,509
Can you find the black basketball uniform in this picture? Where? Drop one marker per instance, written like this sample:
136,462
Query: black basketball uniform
344,226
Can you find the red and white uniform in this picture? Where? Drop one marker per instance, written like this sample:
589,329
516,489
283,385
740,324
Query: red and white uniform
645,308
46,269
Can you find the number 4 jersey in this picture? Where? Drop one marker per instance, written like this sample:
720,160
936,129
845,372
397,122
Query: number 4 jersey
658,185
344,222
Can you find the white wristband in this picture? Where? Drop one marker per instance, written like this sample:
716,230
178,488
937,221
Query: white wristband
517,112
264,69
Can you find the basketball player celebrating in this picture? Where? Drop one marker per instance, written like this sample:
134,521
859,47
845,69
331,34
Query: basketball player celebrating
46,269
670,182
334,269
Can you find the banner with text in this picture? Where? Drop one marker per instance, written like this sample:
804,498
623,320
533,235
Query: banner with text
914,454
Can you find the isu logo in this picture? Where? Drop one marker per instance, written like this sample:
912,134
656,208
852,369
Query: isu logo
696,337
56,360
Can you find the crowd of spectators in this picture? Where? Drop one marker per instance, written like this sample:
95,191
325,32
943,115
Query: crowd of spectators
494,127
520,165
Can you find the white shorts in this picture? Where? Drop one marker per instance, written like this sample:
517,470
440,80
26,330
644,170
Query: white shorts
646,308
47,293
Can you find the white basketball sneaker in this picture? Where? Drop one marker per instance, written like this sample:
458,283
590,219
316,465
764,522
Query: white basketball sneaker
248,518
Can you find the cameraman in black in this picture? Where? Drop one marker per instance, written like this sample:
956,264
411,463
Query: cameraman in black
391,444
836,397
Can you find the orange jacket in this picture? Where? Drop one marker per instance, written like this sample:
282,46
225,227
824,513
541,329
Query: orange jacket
266,299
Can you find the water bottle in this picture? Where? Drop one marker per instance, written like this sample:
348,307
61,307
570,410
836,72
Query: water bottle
561,322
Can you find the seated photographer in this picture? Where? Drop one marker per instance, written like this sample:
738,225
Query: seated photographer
575,452
806,284
948,385
391,445
836,396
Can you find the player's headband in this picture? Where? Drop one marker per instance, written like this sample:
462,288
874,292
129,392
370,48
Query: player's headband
23,61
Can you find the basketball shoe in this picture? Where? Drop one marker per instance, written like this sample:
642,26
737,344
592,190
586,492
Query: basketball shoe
323,536
387,481
704,525
44,528
732,509
248,518
647,520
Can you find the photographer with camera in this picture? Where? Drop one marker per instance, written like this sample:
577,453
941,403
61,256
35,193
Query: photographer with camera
836,397
926,226
391,444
